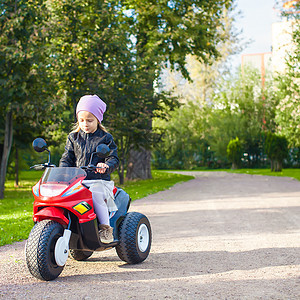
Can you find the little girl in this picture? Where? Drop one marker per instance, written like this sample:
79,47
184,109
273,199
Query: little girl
81,143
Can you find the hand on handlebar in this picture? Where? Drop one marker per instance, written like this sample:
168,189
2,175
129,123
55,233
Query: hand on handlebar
101,168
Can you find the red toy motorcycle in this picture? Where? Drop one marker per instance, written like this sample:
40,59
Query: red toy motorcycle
65,222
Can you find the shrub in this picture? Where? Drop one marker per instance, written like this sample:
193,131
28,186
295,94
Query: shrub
277,150
234,152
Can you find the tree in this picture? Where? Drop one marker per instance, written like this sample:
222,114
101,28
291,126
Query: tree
243,108
127,113
239,107
83,38
234,152
92,52
166,32
277,150
288,93
20,52
205,75
24,131
182,142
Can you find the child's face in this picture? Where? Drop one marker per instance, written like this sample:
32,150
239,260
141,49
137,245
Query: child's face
88,123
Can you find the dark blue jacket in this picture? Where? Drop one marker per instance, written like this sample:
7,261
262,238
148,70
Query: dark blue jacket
81,145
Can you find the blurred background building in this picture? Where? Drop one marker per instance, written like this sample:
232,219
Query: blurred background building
282,45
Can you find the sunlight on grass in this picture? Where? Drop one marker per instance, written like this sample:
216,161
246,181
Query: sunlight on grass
293,173
161,181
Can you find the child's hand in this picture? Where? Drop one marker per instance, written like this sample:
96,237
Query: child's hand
103,168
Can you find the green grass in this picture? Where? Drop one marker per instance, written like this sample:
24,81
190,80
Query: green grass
16,207
161,181
293,173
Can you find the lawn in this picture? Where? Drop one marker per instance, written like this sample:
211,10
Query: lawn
16,207
293,173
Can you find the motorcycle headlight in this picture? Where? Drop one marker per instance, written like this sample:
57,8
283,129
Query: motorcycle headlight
51,190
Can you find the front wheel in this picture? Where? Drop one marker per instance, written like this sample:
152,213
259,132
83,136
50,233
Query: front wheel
134,234
40,247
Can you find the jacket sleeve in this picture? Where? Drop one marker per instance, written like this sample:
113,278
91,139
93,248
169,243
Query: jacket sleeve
68,158
112,160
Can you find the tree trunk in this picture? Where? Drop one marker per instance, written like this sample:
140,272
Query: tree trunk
121,173
139,164
278,166
139,161
17,167
234,166
122,162
6,150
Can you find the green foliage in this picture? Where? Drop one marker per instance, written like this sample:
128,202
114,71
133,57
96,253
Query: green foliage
288,93
242,108
182,143
22,60
204,75
234,152
93,51
277,150
20,55
197,134
53,52
87,46
167,31
186,130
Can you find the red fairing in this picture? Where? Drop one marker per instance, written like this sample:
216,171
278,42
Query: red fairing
52,213
53,207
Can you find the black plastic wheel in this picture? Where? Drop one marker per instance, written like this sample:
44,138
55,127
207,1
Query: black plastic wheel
135,237
40,247
80,254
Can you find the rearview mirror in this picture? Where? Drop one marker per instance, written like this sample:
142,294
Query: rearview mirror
102,151
39,145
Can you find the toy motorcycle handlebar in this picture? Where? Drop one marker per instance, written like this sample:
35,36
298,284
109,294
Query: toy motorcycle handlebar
91,168
41,167
40,145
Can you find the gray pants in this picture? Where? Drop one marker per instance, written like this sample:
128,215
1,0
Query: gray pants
99,201
100,207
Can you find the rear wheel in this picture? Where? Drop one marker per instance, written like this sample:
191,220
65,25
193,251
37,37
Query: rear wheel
135,238
80,254
40,247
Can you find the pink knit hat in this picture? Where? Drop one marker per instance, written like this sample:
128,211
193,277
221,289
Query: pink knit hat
92,104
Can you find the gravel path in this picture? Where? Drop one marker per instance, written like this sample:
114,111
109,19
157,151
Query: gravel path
219,236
